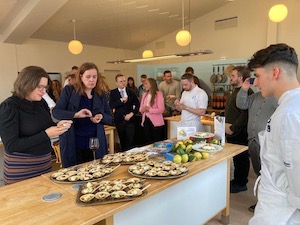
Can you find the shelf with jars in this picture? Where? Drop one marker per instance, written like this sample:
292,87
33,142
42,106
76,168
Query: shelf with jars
221,84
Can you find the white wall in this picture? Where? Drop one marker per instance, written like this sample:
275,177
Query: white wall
55,57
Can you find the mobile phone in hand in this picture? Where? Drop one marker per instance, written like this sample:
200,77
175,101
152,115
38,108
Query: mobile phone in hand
252,80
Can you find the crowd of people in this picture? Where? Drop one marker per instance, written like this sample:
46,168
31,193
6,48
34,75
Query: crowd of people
267,122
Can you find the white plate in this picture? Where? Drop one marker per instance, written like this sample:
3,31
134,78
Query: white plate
203,135
199,148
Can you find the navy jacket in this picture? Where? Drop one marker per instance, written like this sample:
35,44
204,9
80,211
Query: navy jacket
66,106
120,109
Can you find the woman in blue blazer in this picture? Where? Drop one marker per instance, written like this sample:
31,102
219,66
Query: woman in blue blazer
85,103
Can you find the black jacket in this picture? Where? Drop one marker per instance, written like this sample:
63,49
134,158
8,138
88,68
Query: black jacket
120,109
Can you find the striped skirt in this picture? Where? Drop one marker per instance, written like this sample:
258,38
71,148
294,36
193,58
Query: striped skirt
20,166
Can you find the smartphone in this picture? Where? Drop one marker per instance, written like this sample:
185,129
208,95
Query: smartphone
252,80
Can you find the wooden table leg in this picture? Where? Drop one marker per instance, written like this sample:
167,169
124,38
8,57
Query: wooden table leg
107,221
111,147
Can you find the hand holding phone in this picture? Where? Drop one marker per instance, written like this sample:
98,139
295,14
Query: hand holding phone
251,80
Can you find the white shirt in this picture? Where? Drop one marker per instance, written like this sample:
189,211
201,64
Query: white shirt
49,100
196,99
279,187
124,92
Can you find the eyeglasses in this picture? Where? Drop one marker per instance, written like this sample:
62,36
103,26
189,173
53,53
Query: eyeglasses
42,87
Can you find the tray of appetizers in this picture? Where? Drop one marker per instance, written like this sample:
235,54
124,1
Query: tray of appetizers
152,169
111,191
84,173
125,158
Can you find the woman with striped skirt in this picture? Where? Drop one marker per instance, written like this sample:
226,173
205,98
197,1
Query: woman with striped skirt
26,127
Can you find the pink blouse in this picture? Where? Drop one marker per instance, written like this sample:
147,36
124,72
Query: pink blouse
155,113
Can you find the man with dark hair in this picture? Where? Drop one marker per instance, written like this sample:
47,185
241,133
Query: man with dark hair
171,91
236,129
202,84
275,68
193,103
124,105
141,89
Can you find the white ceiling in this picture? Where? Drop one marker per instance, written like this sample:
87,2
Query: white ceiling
108,23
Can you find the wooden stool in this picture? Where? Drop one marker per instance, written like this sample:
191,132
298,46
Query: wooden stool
56,149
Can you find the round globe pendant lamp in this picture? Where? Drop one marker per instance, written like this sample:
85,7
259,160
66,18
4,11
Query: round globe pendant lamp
183,37
278,13
75,46
147,54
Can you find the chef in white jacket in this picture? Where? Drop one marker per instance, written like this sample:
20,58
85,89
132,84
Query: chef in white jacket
275,69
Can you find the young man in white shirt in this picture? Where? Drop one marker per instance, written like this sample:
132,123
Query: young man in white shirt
193,103
275,69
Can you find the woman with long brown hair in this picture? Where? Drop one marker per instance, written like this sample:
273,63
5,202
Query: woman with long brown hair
152,107
86,104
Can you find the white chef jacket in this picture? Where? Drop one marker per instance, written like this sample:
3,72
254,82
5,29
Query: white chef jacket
196,99
279,187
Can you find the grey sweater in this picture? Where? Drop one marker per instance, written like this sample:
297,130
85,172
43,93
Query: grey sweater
260,110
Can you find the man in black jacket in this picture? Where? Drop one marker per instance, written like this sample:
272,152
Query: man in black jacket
236,130
124,104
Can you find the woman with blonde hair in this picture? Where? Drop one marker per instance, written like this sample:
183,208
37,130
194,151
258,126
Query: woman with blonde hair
152,107
85,103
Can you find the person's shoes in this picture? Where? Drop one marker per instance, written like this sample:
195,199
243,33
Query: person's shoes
235,188
252,208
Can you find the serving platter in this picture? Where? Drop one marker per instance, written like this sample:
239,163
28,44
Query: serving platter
82,174
202,135
158,170
104,192
125,158
206,147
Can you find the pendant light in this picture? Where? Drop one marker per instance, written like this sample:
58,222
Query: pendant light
75,46
183,37
278,13
147,53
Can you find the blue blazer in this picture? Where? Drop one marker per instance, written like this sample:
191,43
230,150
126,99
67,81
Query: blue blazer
66,106
120,109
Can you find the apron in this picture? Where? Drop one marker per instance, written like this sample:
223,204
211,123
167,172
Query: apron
192,123
273,207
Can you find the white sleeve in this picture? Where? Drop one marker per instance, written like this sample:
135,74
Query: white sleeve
49,100
202,99
289,146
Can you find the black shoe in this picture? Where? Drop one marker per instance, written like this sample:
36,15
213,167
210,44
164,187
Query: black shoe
252,208
235,188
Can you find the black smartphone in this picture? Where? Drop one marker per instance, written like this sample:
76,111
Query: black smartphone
252,80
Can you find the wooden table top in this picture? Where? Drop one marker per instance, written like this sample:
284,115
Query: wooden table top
22,202
178,118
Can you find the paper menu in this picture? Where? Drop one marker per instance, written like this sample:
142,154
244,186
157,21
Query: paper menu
219,124
185,132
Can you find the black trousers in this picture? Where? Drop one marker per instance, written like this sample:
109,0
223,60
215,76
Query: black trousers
126,131
241,162
153,134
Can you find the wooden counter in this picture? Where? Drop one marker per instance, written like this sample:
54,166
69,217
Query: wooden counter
193,199
173,121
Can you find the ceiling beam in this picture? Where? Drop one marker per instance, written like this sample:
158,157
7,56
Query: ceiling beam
30,19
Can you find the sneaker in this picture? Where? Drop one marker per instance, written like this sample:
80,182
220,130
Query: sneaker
235,188
252,208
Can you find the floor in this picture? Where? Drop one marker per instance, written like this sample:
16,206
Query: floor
239,203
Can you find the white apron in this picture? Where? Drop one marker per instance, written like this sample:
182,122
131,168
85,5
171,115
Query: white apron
273,207
192,123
